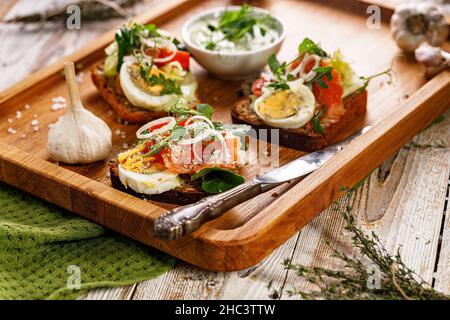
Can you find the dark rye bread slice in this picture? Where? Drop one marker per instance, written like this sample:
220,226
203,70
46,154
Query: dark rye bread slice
189,192
305,138
107,88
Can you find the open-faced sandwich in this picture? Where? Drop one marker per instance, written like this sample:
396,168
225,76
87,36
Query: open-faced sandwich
313,99
144,74
182,158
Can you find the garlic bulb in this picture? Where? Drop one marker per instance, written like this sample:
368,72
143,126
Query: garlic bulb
78,136
414,23
433,59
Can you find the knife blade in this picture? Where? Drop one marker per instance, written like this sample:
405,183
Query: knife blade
184,220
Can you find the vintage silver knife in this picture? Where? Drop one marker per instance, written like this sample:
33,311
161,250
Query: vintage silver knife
184,220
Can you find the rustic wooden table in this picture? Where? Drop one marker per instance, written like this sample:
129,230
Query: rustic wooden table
404,201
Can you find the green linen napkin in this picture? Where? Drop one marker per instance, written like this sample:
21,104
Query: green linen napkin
48,253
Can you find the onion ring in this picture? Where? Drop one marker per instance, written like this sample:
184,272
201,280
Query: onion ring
170,124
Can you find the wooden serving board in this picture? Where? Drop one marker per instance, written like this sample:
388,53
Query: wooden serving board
246,234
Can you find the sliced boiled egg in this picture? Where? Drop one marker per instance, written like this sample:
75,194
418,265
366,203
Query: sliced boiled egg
149,183
153,102
287,109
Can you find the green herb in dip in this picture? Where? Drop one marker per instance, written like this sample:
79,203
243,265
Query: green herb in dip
240,30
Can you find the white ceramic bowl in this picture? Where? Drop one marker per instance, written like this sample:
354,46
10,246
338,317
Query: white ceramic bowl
231,65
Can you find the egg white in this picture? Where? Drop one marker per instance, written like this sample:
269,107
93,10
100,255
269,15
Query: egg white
305,111
356,84
142,99
151,183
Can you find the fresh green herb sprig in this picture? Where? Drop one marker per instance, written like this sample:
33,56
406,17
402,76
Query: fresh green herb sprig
309,46
169,86
316,124
387,72
235,24
322,73
128,39
278,69
201,109
181,111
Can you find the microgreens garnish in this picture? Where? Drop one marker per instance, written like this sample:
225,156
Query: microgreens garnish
279,71
169,86
309,46
181,111
321,74
201,109
387,72
236,24
317,126
156,148
178,133
128,39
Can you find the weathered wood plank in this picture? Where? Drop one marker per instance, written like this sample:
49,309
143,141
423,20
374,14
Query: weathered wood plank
5,7
313,249
403,202
264,282
119,293
184,281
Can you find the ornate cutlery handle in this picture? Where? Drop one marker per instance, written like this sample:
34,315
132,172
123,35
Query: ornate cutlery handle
186,219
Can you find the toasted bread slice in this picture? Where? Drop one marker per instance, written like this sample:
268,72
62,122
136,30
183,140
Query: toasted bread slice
305,138
189,192
110,90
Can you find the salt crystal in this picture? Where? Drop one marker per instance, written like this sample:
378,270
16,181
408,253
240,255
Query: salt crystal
23,136
124,145
27,106
59,100
18,114
123,135
35,122
80,77
58,106
108,174
35,116
117,132
11,131
10,120
36,129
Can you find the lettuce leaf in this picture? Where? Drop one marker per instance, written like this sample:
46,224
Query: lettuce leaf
343,67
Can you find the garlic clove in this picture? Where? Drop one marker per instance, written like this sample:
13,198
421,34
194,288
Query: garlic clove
413,23
78,136
433,59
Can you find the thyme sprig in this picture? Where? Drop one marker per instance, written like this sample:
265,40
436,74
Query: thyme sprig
397,281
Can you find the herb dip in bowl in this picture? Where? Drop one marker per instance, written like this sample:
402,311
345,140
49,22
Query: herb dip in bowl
233,42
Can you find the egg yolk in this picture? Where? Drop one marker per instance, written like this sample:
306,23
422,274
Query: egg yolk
280,105
141,83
